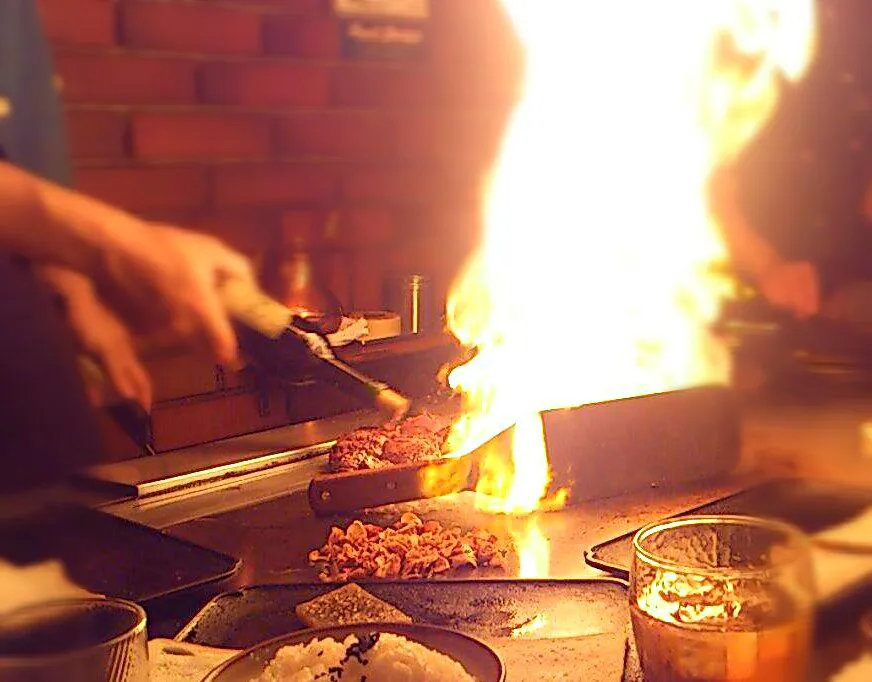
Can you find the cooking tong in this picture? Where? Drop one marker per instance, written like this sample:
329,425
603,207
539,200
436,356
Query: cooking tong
284,345
328,368
280,344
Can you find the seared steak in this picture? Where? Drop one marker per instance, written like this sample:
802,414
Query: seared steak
414,439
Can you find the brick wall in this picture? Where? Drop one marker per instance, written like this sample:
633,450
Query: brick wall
242,118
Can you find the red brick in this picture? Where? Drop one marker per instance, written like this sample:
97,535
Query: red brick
447,136
187,135
311,7
384,184
367,280
138,189
346,134
382,86
245,184
366,226
304,6
305,37
96,134
458,222
126,79
334,270
189,27
415,185
79,22
251,231
445,236
303,226
265,84
867,203
181,375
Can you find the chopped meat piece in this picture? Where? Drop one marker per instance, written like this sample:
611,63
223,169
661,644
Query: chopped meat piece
360,449
424,424
407,449
414,439
409,549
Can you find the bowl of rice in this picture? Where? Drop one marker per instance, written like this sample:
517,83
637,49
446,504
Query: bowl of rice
372,652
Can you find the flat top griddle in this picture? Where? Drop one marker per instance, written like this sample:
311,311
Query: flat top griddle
112,556
566,621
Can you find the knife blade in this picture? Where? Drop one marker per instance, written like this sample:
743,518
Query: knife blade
133,419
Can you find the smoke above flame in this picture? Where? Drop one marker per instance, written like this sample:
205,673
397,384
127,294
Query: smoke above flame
595,278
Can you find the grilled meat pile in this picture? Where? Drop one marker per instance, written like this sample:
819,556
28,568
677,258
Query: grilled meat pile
414,439
409,549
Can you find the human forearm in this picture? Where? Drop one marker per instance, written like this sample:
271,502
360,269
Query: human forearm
789,285
52,225
103,337
165,277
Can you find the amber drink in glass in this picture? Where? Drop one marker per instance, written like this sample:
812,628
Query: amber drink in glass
722,598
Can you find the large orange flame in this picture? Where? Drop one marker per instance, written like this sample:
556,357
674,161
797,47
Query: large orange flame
594,279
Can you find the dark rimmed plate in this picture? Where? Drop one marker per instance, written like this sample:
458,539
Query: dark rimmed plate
579,623
479,660
483,608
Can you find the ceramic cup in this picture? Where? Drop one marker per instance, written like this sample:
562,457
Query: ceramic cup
81,640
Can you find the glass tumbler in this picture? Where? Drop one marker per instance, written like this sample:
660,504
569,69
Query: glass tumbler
79,640
718,598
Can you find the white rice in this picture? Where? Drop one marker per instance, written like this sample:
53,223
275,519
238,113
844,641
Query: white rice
391,659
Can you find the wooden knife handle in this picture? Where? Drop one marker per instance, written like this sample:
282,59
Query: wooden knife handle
353,490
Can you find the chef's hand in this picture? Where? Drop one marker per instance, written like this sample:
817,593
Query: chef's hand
793,286
166,277
103,336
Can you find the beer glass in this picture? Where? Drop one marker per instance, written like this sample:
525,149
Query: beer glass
722,598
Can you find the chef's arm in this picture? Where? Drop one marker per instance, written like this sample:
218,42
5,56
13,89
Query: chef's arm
101,334
50,224
170,275
791,285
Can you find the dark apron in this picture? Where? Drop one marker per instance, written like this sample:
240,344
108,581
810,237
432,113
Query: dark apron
47,426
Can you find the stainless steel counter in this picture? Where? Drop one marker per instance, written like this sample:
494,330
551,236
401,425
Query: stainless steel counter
262,515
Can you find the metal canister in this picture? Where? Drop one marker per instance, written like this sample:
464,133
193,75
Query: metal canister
417,308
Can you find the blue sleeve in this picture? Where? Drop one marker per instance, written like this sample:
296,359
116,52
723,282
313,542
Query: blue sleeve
33,133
